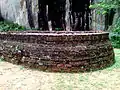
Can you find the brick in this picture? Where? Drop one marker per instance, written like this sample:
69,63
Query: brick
57,52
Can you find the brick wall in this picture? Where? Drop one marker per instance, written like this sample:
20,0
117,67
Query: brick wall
58,51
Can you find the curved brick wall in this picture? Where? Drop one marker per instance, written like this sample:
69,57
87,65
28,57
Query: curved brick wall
58,51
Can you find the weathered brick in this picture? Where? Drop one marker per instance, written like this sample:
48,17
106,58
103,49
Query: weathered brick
58,51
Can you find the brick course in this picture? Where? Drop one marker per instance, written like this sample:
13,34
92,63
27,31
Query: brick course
58,51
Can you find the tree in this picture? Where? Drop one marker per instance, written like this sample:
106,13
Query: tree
108,8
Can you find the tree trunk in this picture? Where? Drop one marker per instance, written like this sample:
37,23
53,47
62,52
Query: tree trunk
64,15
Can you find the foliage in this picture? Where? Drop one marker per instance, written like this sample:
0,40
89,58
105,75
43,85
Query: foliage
104,5
115,36
116,28
115,39
1,58
6,26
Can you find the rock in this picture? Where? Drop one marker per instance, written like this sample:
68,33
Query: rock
17,11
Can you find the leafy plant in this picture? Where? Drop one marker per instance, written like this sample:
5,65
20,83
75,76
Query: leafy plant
115,39
7,26
1,58
104,5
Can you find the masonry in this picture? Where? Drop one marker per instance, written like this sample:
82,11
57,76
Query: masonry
58,51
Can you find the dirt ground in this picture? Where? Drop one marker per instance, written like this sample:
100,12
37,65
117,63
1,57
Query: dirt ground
16,77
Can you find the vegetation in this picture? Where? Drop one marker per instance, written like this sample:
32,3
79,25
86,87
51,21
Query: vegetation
1,58
107,7
115,39
104,5
6,26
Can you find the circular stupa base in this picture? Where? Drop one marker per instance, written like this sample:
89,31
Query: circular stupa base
58,51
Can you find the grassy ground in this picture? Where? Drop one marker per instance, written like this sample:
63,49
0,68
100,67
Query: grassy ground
14,77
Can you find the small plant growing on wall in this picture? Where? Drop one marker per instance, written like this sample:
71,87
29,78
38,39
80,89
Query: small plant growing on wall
1,58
